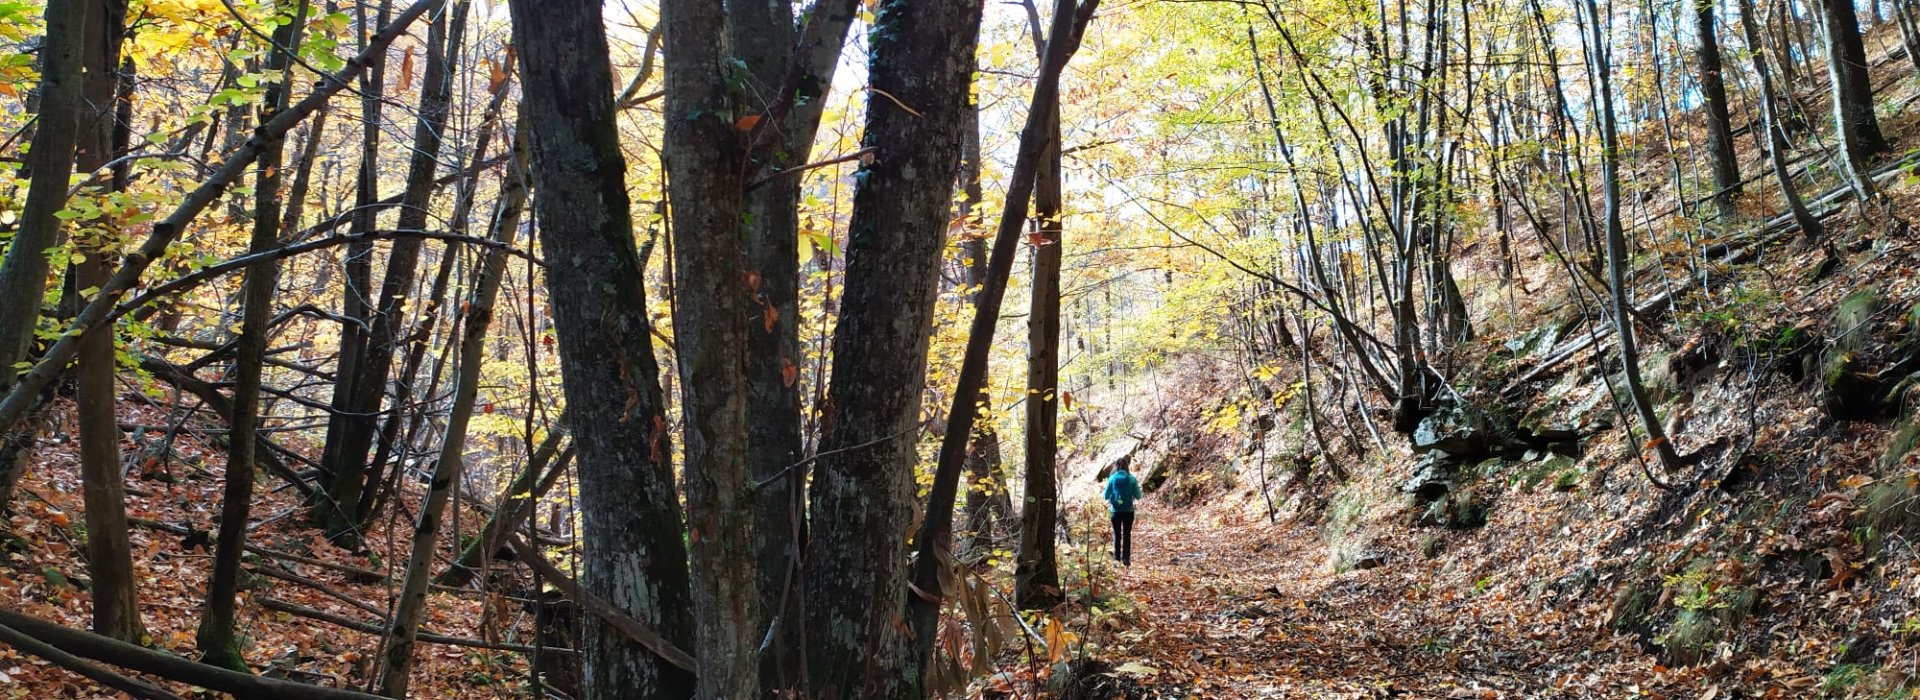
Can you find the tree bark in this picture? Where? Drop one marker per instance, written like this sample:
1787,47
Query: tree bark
862,496
630,514
215,638
1617,244
116,609
936,530
23,275
714,295
987,499
763,37
1852,84
349,440
1720,152
450,463
1810,226
1036,579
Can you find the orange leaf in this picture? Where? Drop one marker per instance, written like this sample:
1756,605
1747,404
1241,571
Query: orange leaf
1656,442
772,316
747,123
406,70
788,372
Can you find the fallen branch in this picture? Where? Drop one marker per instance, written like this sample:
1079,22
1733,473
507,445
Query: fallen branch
131,686
631,628
243,686
372,628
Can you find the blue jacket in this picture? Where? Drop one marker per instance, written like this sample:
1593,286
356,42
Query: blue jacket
1122,491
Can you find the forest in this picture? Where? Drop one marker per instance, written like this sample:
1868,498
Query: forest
820,349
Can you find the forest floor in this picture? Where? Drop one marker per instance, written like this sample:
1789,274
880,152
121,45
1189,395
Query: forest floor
1248,610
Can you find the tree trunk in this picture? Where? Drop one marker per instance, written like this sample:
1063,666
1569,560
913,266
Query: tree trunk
630,515
1810,227
23,275
763,37
714,295
987,499
936,530
1617,244
215,638
862,497
448,466
1848,70
1720,152
344,460
1036,579
116,611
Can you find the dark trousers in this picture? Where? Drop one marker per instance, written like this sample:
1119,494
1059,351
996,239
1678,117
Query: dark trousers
1123,537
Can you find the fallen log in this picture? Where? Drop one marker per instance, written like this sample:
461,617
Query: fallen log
243,686
26,643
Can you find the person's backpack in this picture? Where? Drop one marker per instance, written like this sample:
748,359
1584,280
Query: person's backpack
1123,490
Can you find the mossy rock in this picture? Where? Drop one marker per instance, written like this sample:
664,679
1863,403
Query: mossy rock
1848,391
1692,637
1888,508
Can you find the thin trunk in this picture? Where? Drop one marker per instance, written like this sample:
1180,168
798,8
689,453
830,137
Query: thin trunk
1037,571
347,470
216,639
633,555
1597,54
764,38
936,530
23,275
448,466
1810,227
986,492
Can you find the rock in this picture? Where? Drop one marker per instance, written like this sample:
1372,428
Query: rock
1369,560
1455,511
1433,476
1847,390
1453,429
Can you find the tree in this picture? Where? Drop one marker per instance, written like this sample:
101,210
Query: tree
116,609
1600,61
922,58
788,78
704,154
23,275
1849,76
630,514
215,638
1810,227
1037,570
1713,88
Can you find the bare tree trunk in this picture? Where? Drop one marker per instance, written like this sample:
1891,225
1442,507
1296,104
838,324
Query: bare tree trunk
116,611
23,275
863,492
630,514
215,638
1726,164
936,530
350,439
763,37
1597,54
987,499
1037,571
447,467
1849,73
1810,227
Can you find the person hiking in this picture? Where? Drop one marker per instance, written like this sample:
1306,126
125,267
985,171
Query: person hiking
1122,491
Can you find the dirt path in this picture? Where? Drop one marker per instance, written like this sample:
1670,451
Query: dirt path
1253,611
